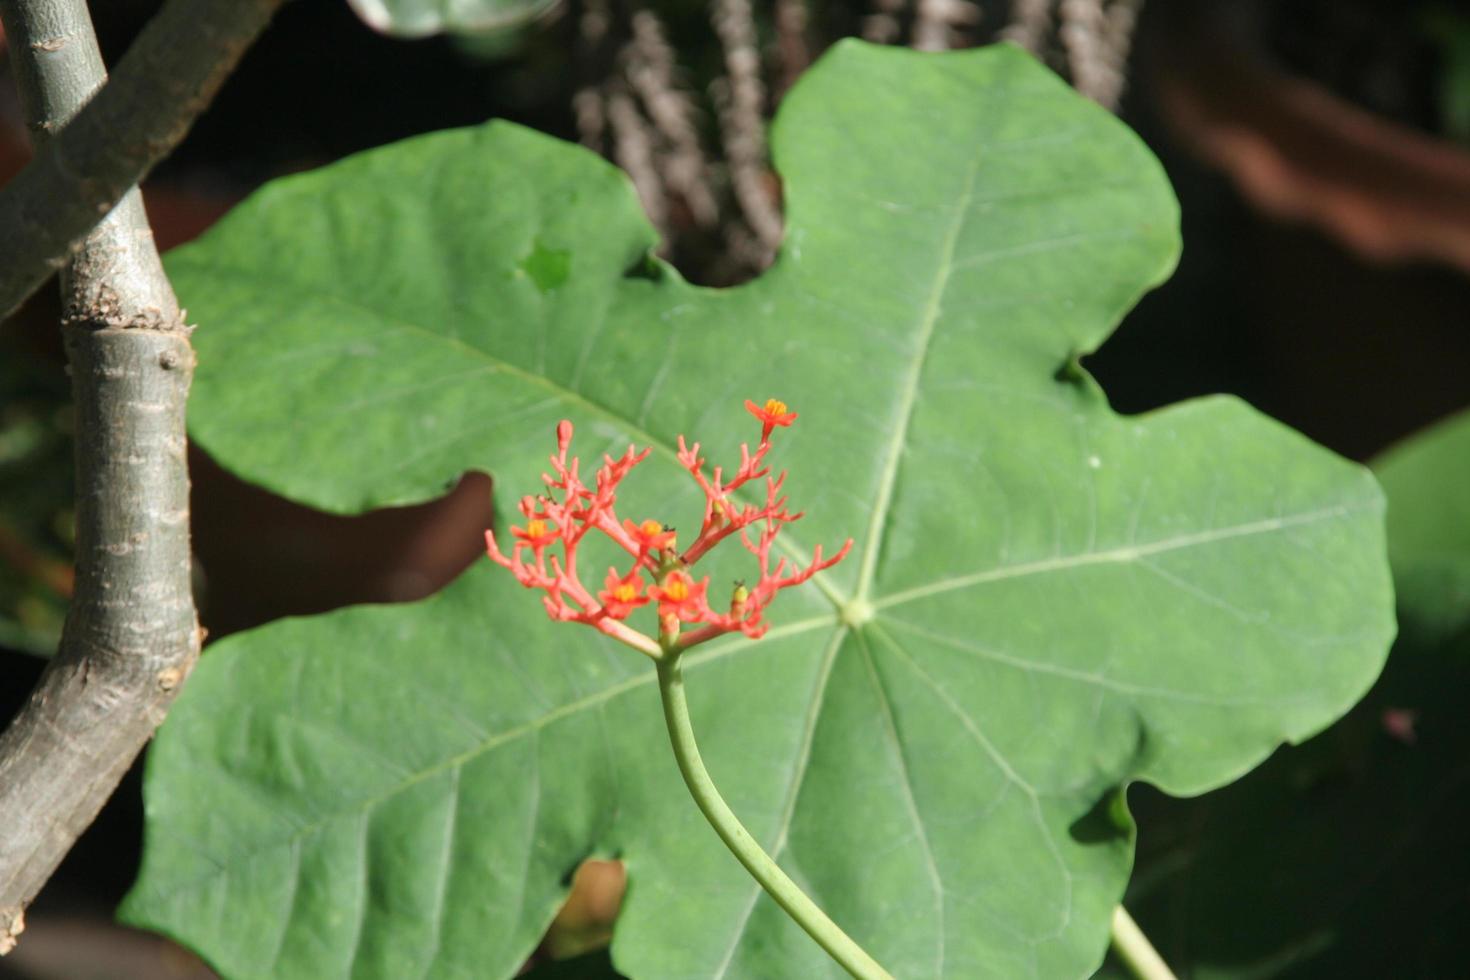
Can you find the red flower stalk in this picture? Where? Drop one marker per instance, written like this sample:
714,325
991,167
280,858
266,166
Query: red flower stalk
570,509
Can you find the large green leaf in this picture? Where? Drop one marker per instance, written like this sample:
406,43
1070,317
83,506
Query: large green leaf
1345,856
1045,600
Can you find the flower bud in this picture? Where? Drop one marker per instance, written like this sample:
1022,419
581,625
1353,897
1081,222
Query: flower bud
738,599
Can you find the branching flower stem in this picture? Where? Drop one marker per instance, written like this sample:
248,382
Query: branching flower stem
543,556
853,958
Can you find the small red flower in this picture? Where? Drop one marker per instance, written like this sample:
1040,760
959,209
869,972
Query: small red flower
680,597
772,414
571,509
622,595
650,535
537,533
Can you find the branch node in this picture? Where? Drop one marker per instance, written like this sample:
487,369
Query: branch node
51,44
169,678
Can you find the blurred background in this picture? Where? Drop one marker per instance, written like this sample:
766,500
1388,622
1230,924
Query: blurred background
1321,153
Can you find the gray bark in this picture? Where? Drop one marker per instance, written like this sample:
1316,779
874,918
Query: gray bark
131,635
168,76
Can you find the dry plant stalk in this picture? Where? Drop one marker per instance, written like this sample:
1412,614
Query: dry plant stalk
881,26
1095,37
793,53
1030,25
1081,35
633,151
1118,28
1097,41
651,70
940,25
589,103
742,124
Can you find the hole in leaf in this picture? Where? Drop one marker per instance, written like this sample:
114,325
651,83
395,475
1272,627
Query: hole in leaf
590,966
585,921
264,557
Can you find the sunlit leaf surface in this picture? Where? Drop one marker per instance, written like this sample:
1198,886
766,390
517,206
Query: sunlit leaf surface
1045,600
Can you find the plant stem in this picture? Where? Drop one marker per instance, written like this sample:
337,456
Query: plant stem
1134,949
131,635
828,935
120,130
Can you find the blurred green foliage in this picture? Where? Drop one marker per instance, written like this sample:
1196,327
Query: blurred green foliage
36,525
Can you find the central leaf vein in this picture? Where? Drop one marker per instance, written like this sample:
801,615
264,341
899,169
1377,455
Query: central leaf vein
908,394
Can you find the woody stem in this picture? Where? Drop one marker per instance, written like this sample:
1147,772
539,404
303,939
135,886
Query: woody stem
791,898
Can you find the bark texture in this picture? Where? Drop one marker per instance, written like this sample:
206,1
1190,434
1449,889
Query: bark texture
162,84
131,635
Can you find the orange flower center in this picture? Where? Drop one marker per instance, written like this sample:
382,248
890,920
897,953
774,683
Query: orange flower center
536,528
775,407
625,592
676,589
651,527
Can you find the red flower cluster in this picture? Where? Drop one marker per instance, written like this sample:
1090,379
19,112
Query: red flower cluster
571,509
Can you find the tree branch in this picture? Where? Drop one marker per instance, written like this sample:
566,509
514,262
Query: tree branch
131,634
162,84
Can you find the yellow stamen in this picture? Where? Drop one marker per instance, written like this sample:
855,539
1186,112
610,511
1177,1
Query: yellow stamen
677,590
651,527
626,592
775,407
535,528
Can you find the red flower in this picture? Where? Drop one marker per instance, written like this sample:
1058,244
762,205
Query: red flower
622,595
774,413
537,533
571,509
680,597
650,535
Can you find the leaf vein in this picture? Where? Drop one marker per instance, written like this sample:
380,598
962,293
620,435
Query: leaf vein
693,660
908,395
1115,555
910,801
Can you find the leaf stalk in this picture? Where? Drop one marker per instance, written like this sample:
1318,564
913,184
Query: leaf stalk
852,957
1135,950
